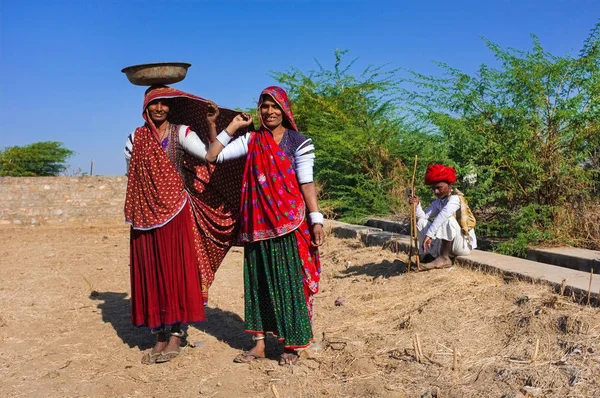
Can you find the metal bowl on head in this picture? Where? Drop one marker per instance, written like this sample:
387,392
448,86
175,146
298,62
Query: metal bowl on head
158,73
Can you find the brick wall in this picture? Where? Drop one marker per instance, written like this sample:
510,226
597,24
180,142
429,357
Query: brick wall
60,200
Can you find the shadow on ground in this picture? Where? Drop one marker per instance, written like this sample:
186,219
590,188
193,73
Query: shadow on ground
385,269
225,326
228,327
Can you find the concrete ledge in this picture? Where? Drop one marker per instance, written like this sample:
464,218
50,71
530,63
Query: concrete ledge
349,231
576,282
394,242
390,226
570,257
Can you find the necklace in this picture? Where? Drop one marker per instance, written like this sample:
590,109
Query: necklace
165,133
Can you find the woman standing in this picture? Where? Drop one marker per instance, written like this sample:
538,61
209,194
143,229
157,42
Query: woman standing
281,260
182,218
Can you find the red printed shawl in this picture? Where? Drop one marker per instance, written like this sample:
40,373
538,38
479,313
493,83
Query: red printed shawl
160,183
272,203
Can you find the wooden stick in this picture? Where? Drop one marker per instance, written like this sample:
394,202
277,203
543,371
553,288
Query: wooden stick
421,355
414,215
412,184
454,359
536,351
410,249
274,391
415,236
590,286
417,347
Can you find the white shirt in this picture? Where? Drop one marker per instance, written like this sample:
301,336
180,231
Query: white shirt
304,155
440,210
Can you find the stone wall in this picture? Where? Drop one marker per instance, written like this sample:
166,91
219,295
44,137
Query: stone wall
60,200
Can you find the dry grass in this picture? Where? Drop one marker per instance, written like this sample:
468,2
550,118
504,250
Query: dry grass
591,226
494,326
65,331
579,224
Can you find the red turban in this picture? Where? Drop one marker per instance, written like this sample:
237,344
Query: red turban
438,172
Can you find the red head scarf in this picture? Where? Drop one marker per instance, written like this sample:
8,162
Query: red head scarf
281,98
156,187
438,172
185,108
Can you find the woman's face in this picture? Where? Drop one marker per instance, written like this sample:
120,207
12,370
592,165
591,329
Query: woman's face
271,113
441,189
158,110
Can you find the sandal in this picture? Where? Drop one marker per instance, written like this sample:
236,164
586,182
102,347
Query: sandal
429,267
149,358
247,357
167,356
288,358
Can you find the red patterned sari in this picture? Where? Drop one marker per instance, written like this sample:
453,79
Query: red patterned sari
273,205
183,214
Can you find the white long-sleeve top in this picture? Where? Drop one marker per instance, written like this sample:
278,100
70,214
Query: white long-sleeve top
190,142
440,211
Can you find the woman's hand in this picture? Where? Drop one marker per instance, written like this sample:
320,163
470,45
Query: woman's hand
318,235
213,113
239,121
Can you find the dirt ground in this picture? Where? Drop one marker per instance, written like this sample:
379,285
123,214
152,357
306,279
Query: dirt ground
65,331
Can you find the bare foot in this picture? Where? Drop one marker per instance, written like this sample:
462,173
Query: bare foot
161,342
174,344
158,347
440,262
289,357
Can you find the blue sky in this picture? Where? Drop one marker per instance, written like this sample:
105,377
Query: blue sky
60,60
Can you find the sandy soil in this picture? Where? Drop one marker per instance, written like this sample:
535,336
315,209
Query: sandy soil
65,332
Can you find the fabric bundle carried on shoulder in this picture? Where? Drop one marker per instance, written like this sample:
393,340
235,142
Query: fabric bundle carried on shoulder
464,215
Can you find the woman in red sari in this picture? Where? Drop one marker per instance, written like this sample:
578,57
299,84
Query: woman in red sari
281,260
182,212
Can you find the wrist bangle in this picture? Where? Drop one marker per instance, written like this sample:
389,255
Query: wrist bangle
316,218
224,137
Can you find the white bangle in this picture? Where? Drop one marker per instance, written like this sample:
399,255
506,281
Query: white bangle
316,218
224,137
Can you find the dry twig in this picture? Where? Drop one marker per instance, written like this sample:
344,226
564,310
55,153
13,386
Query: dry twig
454,359
534,357
590,286
274,391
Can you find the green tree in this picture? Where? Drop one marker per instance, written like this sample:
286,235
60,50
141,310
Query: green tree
362,145
39,159
530,131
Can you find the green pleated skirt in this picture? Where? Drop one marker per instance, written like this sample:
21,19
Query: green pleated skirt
274,291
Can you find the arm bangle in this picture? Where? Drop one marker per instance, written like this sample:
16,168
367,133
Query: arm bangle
316,218
224,137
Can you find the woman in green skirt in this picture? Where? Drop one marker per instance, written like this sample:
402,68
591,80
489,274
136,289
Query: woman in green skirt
281,228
